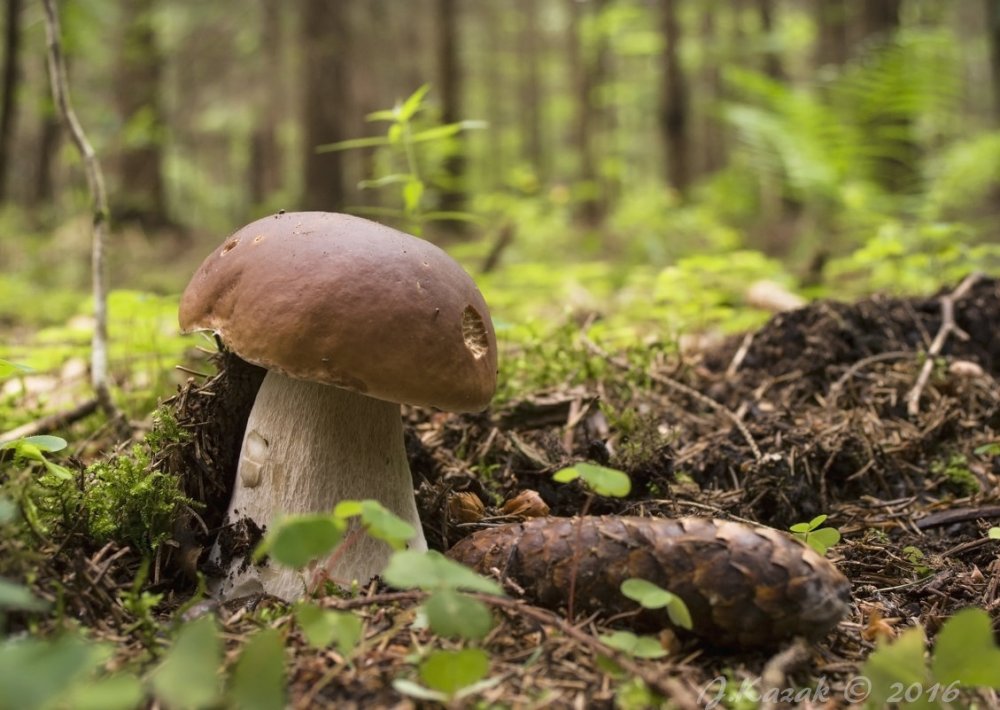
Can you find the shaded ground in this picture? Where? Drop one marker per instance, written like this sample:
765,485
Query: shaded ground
808,415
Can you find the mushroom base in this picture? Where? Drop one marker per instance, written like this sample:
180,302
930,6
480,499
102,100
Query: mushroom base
307,447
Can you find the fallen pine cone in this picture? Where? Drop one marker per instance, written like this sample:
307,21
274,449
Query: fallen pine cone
744,586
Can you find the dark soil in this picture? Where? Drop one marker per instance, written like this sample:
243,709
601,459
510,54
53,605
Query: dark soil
821,394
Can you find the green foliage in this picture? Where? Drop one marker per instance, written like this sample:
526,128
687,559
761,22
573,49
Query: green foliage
602,480
188,676
62,672
378,522
955,470
650,596
404,172
915,556
638,646
432,571
704,291
258,680
965,656
448,612
819,539
323,627
903,257
296,540
993,533
965,651
634,694
451,671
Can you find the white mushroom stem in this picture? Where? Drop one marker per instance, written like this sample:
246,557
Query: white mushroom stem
307,447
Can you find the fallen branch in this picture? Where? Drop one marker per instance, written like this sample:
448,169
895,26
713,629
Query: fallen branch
948,326
99,199
684,389
51,422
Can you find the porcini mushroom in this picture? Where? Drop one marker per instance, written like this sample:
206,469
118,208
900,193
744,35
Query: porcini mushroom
350,318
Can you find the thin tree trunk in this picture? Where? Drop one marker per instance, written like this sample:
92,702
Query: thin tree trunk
831,22
450,76
713,136
880,18
141,195
772,60
993,37
495,42
674,108
590,206
42,189
265,157
99,200
533,148
8,93
326,91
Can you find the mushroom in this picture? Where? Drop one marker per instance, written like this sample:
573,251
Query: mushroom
350,318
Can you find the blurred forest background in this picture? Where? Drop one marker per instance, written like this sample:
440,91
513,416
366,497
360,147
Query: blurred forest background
608,162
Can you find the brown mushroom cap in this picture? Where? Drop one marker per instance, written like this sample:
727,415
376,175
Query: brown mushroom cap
344,301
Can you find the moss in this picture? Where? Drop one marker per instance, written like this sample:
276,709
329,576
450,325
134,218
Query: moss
956,473
128,499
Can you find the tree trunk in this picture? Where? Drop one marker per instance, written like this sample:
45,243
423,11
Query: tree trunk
265,157
43,188
8,93
532,145
326,94
586,67
450,77
712,138
993,36
141,195
674,109
772,59
831,42
880,18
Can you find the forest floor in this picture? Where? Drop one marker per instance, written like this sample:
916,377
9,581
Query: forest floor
883,414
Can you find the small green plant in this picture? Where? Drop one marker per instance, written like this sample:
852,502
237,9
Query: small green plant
633,645
993,533
915,556
404,172
325,627
601,480
819,539
650,596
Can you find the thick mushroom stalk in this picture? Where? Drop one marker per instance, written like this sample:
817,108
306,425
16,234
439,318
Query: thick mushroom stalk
307,447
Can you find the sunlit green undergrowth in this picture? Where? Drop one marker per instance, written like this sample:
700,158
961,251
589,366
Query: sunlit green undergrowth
144,347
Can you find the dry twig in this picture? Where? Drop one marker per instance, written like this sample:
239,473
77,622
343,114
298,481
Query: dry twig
948,326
